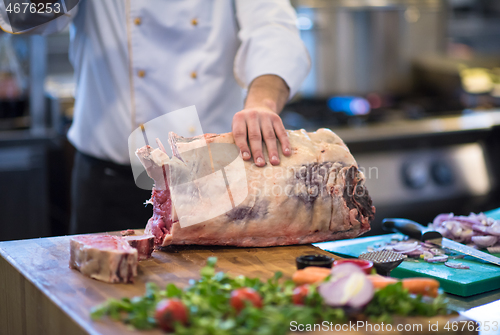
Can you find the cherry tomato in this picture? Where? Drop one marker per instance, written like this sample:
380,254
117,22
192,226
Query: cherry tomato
240,296
299,294
168,312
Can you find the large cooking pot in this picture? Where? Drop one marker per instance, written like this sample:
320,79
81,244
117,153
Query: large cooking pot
358,47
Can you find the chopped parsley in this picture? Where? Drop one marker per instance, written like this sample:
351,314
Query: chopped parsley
210,311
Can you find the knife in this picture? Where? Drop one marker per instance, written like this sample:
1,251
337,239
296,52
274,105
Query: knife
419,232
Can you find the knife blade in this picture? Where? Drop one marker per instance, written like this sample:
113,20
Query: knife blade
419,232
462,248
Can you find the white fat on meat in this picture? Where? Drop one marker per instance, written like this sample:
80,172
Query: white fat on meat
104,257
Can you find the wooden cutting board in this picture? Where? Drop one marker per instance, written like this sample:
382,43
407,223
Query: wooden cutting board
40,294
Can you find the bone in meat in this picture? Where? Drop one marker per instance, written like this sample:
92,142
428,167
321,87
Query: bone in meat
316,194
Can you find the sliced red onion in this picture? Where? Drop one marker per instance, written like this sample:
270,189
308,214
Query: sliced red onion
445,230
448,224
427,255
438,220
414,253
333,292
456,265
437,251
457,231
494,229
479,216
467,235
437,259
364,294
349,286
490,221
405,246
484,241
480,228
454,228
449,235
427,245
494,250
441,230
467,220
344,269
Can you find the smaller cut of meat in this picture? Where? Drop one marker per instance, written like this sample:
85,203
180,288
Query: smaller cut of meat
127,232
144,244
104,257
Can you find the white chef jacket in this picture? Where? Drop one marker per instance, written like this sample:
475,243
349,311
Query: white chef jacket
135,60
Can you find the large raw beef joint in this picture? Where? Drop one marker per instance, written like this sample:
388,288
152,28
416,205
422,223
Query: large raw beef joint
316,194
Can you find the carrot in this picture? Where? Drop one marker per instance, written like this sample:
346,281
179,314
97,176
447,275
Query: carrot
424,286
310,275
379,281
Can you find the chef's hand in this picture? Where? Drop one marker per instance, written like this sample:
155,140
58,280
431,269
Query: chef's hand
259,120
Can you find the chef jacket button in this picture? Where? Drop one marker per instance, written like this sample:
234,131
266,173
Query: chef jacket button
194,75
137,21
141,73
194,22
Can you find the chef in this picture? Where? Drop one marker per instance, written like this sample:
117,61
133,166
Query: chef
135,60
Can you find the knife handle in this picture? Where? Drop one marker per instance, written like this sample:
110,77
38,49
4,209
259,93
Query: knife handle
405,226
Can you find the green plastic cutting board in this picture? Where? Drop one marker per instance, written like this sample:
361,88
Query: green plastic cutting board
481,277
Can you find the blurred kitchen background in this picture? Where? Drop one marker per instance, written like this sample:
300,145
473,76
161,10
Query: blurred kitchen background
412,86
